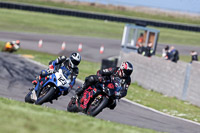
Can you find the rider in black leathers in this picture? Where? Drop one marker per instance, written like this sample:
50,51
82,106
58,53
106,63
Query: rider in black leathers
123,72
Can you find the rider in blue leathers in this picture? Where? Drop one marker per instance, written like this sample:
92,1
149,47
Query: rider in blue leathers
71,70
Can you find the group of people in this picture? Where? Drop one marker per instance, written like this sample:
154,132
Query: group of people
141,49
72,62
170,53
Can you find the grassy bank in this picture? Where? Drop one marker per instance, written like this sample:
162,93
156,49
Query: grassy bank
110,9
136,93
24,21
19,117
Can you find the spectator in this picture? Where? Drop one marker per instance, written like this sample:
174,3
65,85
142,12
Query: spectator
174,54
165,53
140,41
148,50
194,56
141,49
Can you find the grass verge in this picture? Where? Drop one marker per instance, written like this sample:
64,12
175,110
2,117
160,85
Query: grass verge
19,117
136,93
110,9
25,21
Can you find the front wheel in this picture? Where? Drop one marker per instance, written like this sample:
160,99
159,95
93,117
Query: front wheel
97,106
72,107
28,97
45,95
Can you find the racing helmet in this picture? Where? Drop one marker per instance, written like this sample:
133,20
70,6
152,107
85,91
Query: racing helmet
74,59
125,69
17,42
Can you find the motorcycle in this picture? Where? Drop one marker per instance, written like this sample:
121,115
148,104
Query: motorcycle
8,47
104,97
51,88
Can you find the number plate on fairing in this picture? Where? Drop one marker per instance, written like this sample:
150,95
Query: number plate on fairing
61,80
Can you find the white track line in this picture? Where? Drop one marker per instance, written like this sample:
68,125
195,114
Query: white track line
156,111
134,103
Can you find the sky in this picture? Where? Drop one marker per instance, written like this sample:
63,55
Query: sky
190,6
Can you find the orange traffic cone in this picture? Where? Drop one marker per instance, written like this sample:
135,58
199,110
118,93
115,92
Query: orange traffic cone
40,43
63,46
101,49
80,46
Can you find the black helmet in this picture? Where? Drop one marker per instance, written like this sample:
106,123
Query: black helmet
126,68
75,59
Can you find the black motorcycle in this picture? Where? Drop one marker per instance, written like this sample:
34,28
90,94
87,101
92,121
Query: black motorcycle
95,98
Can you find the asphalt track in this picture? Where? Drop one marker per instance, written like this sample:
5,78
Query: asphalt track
52,44
18,72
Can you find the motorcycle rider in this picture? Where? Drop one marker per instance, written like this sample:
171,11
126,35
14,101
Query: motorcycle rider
123,72
70,63
12,46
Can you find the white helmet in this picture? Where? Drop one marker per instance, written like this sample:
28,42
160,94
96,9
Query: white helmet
75,59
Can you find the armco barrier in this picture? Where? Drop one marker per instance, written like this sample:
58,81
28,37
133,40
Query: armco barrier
99,16
179,80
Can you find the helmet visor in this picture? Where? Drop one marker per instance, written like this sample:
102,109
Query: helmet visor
74,62
127,72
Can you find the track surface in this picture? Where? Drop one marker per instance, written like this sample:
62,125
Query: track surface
17,74
91,46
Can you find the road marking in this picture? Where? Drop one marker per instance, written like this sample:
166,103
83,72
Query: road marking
156,111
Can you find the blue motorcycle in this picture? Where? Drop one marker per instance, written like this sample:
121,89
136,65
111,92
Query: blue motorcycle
50,88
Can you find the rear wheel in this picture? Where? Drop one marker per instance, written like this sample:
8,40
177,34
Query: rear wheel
97,105
45,95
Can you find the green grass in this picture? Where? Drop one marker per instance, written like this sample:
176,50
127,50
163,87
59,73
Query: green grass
109,10
184,58
19,117
24,21
169,105
136,93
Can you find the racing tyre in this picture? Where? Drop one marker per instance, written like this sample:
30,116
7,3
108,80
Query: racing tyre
72,106
45,95
28,98
97,106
